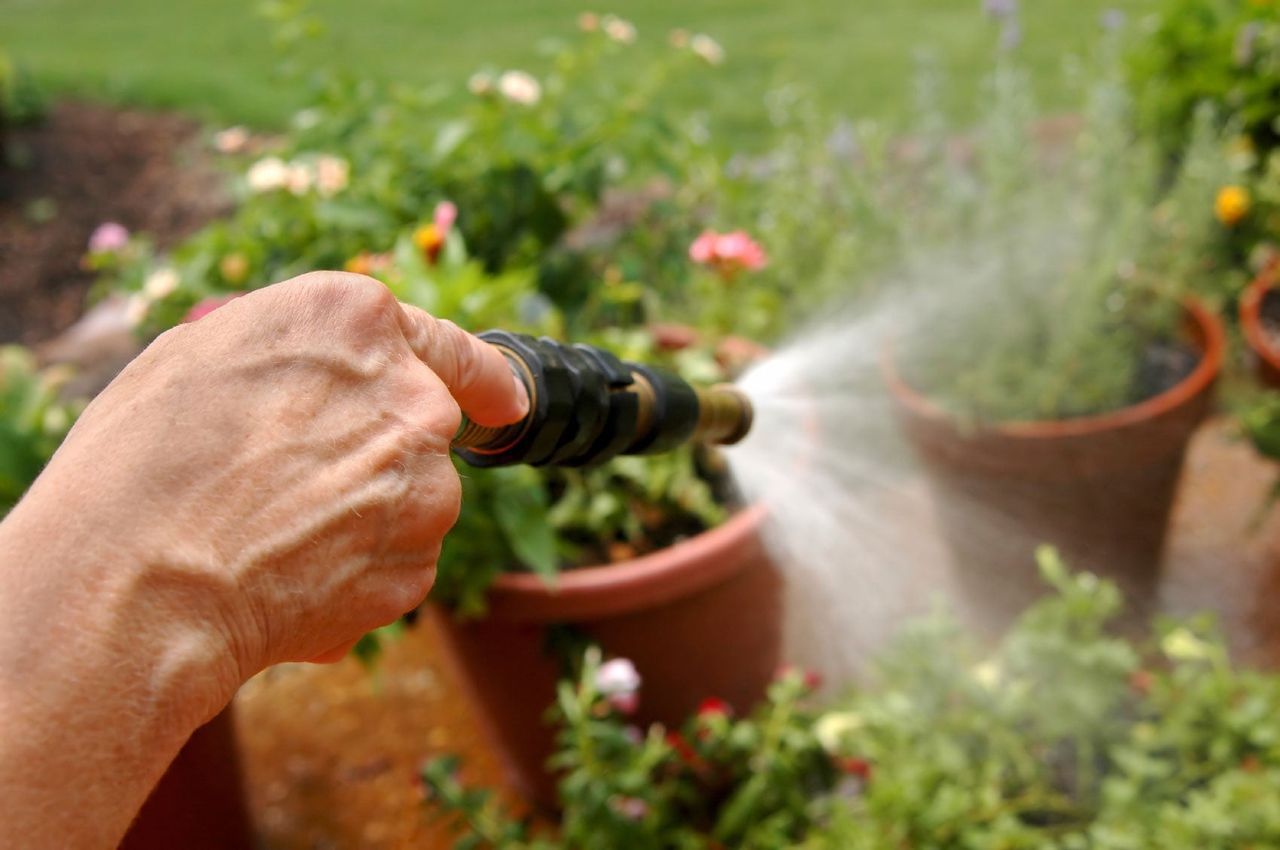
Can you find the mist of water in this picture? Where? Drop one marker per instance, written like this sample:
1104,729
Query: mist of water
851,521
826,460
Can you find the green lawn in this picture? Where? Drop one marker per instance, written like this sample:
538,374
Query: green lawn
214,57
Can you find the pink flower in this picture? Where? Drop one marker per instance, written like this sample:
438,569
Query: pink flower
728,253
208,305
703,249
735,354
108,237
631,808
446,213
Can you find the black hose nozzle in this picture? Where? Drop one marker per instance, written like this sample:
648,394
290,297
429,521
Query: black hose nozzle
587,406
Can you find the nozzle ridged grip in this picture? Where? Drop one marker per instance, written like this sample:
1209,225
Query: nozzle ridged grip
576,409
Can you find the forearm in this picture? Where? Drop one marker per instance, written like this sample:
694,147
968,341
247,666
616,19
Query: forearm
101,681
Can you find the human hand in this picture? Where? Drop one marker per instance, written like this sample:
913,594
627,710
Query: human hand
274,480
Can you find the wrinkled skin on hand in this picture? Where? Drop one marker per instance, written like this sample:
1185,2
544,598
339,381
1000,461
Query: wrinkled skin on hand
287,457
263,485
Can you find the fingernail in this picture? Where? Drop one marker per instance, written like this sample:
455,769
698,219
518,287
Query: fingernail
522,395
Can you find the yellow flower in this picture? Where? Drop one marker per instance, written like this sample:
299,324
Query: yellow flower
1182,645
234,268
831,729
1231,205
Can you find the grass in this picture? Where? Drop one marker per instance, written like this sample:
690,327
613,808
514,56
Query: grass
214,58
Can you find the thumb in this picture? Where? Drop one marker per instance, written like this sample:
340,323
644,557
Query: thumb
477,374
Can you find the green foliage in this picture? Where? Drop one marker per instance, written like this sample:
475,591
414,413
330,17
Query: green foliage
1222,52
754,783
1065,736
21,100
33,421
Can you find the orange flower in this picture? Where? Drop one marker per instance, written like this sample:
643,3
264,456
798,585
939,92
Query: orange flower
430,238
234,268
368,264
1231,205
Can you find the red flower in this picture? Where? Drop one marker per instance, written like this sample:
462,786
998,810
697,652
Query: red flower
715,707
853,766
812,678
208,305
685,751
673,337
1140,682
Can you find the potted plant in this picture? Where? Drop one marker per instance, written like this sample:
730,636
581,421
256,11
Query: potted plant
478,216
1062,735
1260,324
1050,389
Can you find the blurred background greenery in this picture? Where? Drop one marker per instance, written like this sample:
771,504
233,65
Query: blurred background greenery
214,58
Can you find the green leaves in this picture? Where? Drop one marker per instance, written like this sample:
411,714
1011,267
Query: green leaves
1062,737
520,505
33,421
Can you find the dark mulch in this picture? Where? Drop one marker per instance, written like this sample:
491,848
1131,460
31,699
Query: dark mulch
86,164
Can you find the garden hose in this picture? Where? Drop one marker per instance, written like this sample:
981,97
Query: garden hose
587,406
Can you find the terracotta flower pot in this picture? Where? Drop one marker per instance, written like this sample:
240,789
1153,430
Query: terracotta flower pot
699,619
1266,356
199,803
1100,488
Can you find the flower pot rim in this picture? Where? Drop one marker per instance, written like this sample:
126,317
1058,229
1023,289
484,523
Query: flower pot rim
1213,345
1251,320
608,590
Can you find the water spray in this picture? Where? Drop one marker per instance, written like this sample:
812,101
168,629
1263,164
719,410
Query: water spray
587,406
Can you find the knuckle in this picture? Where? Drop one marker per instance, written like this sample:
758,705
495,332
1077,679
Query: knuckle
346,290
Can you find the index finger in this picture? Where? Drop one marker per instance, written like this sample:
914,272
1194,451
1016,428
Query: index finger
477,374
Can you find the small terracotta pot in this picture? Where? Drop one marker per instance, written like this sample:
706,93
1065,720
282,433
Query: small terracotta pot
699,619
1266,358
199,803
1099,488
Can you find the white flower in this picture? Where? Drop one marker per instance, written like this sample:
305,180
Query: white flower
480,84
707,48
1181,645
987,674
333,173
268,174
231,140
831,729
519,87
56,420
160,284
618,677
300,178
135,309
619,29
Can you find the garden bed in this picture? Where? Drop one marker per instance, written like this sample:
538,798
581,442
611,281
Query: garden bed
86,164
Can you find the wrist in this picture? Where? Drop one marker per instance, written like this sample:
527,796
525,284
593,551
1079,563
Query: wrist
85,609
101,679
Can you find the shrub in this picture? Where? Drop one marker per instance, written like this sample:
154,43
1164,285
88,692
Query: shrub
1066,736
33,421
1222,52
